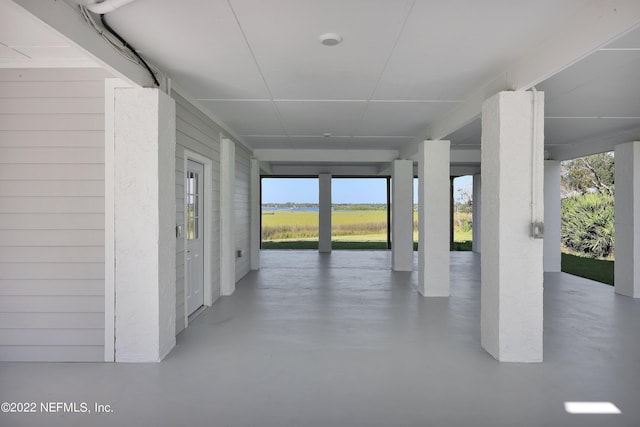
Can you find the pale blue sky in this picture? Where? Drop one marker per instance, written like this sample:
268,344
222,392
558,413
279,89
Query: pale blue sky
344,190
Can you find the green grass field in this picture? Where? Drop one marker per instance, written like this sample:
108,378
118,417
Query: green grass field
363,229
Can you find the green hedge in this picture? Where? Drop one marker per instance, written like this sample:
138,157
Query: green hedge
587,224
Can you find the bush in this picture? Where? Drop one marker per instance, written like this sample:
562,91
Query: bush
588,225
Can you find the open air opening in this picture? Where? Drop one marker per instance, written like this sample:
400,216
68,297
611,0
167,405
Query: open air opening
587,194
360,213
289,217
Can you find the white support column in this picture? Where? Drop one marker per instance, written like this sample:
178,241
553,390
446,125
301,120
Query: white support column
227,217
256,210
477,213
512,198
145,219
402,216
627,219
434,217
324,212
552,216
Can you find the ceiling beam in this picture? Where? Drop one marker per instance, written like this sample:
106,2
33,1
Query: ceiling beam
265,168
337,156
594,26
60,16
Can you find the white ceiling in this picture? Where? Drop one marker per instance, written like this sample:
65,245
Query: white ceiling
258,66
28,43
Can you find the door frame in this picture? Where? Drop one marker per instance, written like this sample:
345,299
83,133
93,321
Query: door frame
207,219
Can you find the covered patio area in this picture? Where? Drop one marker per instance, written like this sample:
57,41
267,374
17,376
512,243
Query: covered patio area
340,339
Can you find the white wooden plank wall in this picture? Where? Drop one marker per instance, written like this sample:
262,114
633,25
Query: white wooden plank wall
52,214
243,218
197,133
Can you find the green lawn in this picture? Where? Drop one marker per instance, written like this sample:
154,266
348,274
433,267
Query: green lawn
357,229
589,268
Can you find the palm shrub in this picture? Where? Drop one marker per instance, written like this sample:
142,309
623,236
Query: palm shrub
588,224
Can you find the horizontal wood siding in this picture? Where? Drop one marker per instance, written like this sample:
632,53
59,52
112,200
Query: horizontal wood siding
242,209
197,133
52,214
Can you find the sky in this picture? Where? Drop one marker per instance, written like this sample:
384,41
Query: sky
343,190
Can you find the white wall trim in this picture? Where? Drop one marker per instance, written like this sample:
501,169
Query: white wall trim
110,86
256,209
208,229
227,216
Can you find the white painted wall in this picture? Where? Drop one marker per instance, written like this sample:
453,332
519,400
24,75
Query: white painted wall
512,275
145,218
52,214
552,229
627,219
199,134
242,210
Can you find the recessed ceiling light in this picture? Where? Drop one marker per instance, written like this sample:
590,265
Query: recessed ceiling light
330,39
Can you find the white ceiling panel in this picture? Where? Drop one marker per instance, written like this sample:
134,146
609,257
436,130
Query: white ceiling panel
197,42
27,42
586,131
319,142
467,135
399,118
6,53
614,94
284,38
247,117
310,118
631,40
18,28
449,48
267,141
587,72
379,143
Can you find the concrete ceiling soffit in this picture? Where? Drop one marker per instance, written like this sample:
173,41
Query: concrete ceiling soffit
594,26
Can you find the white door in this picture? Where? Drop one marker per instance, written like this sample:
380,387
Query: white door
194,205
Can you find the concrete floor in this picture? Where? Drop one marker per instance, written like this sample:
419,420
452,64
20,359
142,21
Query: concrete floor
340,340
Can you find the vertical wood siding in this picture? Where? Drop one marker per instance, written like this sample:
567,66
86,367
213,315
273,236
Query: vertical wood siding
52,214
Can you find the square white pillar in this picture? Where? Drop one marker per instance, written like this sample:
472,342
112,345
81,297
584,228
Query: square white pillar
227,216
145,219
433,218
402,216
324,212
256,211
552,258
512,180
476,213
627,219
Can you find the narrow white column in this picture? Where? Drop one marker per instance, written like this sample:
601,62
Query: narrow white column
324,213
552,216
255,207
227,217
627,219
145,218
512,180
402,215
433,218
476,213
